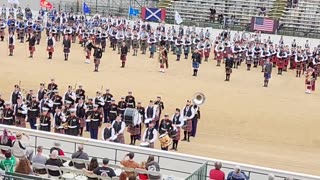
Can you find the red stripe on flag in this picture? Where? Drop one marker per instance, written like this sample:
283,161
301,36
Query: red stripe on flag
163,14
143,13
268,25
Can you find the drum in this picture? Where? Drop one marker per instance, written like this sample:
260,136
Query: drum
165,140
173,133
131,116
144,144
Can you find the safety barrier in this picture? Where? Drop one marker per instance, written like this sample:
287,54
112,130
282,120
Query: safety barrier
200,174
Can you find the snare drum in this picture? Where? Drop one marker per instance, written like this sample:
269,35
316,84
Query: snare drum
173,133
131,116
165,140
145,144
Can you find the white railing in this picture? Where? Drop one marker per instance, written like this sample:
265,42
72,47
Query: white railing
176,164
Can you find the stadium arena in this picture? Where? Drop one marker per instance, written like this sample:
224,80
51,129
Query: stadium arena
245,71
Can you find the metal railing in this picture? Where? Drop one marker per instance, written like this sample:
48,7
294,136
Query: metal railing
171,163
200,174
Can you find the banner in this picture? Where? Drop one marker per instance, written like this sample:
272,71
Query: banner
46,4
264,24
177,18
153,14
85,8
133,12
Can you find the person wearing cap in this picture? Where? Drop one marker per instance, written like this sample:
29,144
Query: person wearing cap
106,108
99,100
95,122
80,94
150,135
70,95
196,61
113,111
81,113
108,133
89,109
177,123
56,100
119,126
52,86
20,112
33,112
73,124
59,118
188,113
41,92
8,114
21,146
216,173
29,97
97,55
45,102
122,105
104,170
16,94
165,128
45,120
130,100
150,113
237,174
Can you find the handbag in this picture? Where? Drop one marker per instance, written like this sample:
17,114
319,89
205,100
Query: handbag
71,162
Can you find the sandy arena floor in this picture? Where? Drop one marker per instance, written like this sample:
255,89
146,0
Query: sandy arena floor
276,127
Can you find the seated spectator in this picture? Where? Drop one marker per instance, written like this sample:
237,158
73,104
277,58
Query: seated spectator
271,177
123,176
262,11
56,146
129,162
21,146
104,170
212,14
9,163
150,165
237,174
295,3
24,167
39,158
6,139
289,4
80,155
92,166
221,18
217,174
54,161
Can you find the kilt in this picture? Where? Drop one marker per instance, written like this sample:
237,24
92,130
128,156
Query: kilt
133,130
44,128
61,131
179,50
188,126
29,30
228,70
11,47
2,32
219,56
88,53
103,43
32,48
82,122
66,50
123,57
50,49
96,61
249,60
207,53
135,45
195,64
177,137
267,75
120,139
20,121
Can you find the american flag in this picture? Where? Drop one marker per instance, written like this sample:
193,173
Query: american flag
263,24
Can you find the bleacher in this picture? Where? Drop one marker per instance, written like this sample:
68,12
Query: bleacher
305,17
198,10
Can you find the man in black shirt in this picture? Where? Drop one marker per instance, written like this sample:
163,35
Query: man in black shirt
104,170
66,47
32,42
229,64
54,161
97,54
123,55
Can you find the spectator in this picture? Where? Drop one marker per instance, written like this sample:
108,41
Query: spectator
54,161
237,174
104,170
152,165
217,174
24,167
6,139
295,3
289,4
129,162
221,18
212,14
271,177
92,166
262,11
9,163
80,155
56,146
40,159
21,146
123,176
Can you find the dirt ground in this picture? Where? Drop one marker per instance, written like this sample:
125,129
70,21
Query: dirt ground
276,127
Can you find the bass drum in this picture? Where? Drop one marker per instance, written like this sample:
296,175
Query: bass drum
131,116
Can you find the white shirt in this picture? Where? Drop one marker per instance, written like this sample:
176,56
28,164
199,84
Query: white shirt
53,40
147,120
23,109
193,112
71,94
123,127
155,135
113,136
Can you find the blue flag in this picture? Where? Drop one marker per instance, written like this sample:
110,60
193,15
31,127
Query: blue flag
133,12
86,9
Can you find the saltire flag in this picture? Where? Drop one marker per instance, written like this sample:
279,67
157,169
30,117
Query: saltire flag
177,18
46,4
133,12
13,1
264,24
153,14
85,8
